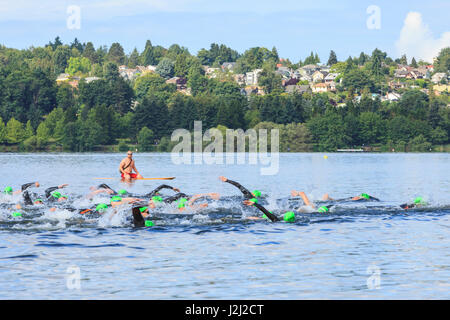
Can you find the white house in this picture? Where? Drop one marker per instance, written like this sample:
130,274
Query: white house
251,78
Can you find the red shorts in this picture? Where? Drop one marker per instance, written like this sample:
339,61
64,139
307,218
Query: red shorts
132,175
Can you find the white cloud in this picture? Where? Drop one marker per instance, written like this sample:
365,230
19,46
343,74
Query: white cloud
417,40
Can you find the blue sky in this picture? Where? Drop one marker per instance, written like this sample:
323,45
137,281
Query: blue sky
417,28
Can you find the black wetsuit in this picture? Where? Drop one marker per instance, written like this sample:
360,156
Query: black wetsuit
138,219
48,193
106,187
247,194
269,215
176,197
155,192
27,185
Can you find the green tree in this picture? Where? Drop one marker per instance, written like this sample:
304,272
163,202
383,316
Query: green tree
145,139
443,61
332,59
2,131
14,131
64,96
89,52
165,68
133,60
42,135
60,58
371,128
79,65
116,54
148,56
29,131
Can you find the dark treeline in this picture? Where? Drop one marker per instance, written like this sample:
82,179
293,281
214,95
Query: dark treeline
37,113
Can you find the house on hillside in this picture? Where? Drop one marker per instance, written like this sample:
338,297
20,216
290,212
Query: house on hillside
239,79
308,70
128,73
440,89
323,87
251,78
289,82
391,96
297,89
210,72
331,77
319,76
285,72
228,66
90,79
437,77
249,90
62,78
180,82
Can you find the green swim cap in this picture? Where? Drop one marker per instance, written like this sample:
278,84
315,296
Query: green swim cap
38,200
254,200
56,195
149,223
182,203
143,209
365,195
323,209
122,191
8,190
64,196
101,207
289,216
157,199
17,214
116,199
256,193
419,200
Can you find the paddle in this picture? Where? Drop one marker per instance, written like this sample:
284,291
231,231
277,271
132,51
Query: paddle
169,178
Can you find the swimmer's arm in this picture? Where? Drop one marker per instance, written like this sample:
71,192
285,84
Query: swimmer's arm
244,191
213,195
306,200
48,191
106,187
269,215
163,186
51,189
27,185
175,197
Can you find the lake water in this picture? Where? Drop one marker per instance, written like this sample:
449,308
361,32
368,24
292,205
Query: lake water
358,251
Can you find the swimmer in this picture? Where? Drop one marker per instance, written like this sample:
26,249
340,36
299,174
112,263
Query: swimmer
247,194
417,203
326,197
321,209
9,190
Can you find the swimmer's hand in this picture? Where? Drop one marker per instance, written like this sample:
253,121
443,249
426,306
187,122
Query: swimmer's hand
176,189
294,193
63,186
223,179
248,202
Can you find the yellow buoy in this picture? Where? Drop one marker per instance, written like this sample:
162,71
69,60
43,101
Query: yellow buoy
325,157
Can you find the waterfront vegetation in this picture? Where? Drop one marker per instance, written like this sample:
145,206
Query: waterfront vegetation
75,97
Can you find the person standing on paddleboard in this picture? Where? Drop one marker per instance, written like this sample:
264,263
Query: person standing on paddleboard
126,168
